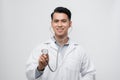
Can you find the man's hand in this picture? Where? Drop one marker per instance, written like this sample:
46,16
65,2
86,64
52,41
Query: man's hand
43,61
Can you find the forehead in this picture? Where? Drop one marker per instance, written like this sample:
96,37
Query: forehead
60,16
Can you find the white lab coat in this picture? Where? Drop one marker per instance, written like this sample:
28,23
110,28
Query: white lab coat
75,65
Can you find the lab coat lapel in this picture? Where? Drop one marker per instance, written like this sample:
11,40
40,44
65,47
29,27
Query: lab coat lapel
52,45
70,48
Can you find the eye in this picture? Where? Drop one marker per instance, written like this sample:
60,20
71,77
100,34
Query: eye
64,20
55,21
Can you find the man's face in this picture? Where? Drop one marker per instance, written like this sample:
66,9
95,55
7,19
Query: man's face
60,24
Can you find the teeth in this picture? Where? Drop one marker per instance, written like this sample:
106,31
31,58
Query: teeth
60,29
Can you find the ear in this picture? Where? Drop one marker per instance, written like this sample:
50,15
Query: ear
70,24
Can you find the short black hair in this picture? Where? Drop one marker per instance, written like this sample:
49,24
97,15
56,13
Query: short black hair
62,10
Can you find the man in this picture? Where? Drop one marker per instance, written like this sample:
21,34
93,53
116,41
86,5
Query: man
65,59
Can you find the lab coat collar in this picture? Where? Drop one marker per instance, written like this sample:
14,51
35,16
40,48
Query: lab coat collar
53,38
72,45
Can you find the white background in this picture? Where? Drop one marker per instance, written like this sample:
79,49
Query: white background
25,23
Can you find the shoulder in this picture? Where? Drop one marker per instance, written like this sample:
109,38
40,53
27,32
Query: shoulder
76,44
79,48
42,44
37,49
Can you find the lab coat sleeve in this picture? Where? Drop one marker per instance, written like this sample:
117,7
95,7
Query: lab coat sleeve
38,73
87,69
32,64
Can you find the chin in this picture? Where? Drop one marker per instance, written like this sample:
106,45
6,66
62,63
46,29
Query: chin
59,35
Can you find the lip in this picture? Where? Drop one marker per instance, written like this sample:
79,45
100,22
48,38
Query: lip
60,30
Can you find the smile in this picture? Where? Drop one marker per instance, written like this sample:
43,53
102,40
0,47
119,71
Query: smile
60,30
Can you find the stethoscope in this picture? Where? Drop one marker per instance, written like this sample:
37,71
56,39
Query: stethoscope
45,51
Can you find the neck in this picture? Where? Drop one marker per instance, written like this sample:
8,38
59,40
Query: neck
61,40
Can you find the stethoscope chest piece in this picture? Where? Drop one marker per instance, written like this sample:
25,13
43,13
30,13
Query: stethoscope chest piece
44,51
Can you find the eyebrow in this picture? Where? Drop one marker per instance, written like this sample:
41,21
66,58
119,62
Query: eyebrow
59,19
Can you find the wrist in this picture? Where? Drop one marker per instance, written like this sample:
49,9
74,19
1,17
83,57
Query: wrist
40,69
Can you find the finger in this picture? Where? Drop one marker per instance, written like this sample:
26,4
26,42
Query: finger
46,57
43,61
43,64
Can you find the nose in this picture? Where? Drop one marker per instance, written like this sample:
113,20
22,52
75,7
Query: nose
60,24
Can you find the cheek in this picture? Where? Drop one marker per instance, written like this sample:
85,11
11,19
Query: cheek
53,25
66,26
54,28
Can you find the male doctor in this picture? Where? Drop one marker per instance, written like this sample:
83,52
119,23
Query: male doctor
60,58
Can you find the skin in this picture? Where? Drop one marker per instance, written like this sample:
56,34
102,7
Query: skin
60,24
